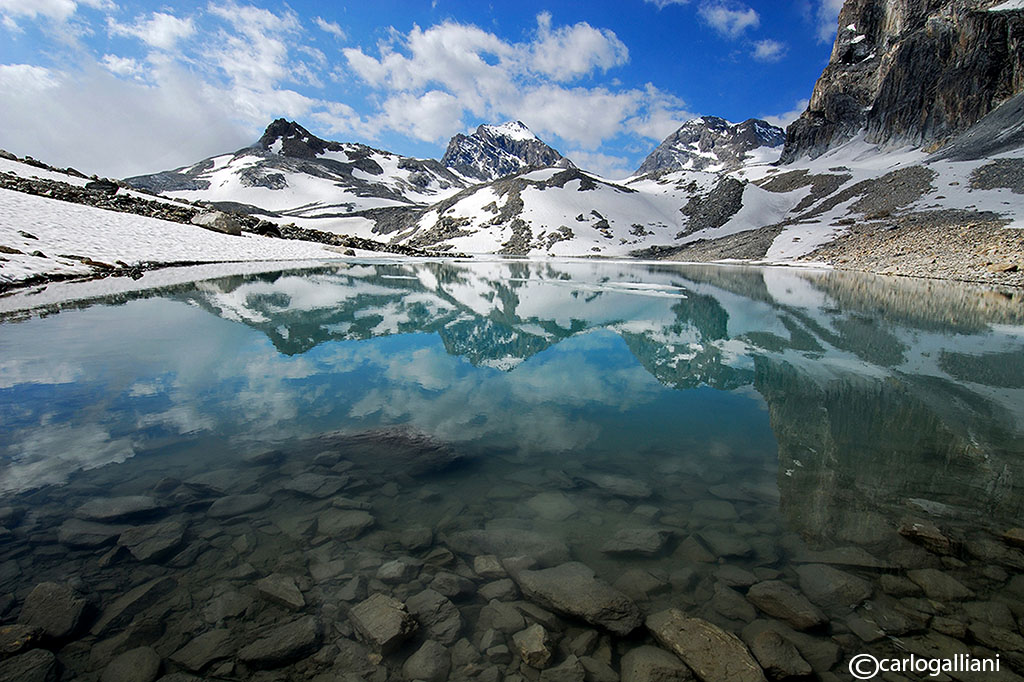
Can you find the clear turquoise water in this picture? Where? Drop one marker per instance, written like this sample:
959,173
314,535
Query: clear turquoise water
826,409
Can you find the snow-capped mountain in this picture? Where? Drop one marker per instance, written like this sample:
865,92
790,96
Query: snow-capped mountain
714,144
292,173
570,212
495,151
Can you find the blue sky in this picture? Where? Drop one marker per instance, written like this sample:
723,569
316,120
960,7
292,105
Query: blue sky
119,87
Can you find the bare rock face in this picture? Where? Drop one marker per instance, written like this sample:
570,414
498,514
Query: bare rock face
713,144
911,72
495,151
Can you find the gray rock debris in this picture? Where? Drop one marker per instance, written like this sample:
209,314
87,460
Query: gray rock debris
532,645
141,664
382,622
282,644
651,664
430,663
711,652
218,221
55,609
573,589
436,615
281,590
781,600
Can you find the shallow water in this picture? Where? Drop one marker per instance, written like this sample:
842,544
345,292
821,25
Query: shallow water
684,431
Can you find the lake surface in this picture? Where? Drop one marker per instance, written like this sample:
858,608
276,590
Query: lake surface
225,473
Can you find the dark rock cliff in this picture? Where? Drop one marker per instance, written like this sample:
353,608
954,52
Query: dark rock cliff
912,72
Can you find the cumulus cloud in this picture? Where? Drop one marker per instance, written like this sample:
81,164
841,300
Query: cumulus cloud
768,50
495,79
568,52
161,31
189,86
729,19
826,17
784,119
605,165
144,127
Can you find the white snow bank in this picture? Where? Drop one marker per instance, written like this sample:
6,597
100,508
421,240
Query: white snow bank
75,229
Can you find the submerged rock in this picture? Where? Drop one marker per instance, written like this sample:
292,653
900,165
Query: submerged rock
939,586
141,664
38,665
382,622
344,524
154,542
646,542
619,486
781,600
211,646
281,590
572,589
17,638
437,615
779,658
53,608
282,644
651,664
532,645
711,652
831,588
87,534
510,542
552,506
118,508
430,663
236,505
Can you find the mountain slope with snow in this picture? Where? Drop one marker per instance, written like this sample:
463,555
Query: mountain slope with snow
495,151
292,173
714,144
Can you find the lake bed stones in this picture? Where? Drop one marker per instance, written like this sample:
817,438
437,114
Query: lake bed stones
711,652
382,622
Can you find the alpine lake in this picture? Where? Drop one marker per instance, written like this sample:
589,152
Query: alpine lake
513,470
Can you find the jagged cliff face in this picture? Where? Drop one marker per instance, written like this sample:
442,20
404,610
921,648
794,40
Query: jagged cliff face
912,72
714,144
495,151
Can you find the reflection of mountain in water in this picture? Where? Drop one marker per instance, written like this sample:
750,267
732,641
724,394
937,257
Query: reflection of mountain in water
877,390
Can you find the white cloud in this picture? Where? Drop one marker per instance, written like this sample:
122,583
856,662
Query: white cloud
122,66
784,119
605,165
661,114
429,117
161,31
494,79
330,27
731,20
26,78
768,50
662,4
827,19
144,128
571,51
581,115
57,10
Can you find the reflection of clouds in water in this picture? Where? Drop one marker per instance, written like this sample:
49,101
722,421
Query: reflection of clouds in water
50,452
526,407
37,371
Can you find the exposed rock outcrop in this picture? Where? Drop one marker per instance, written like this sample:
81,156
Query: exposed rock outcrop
912,72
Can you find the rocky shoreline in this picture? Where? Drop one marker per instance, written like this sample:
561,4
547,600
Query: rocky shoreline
351,557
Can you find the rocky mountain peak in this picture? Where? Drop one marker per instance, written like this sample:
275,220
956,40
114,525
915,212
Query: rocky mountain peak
288,138
495,151
712,143
912,72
